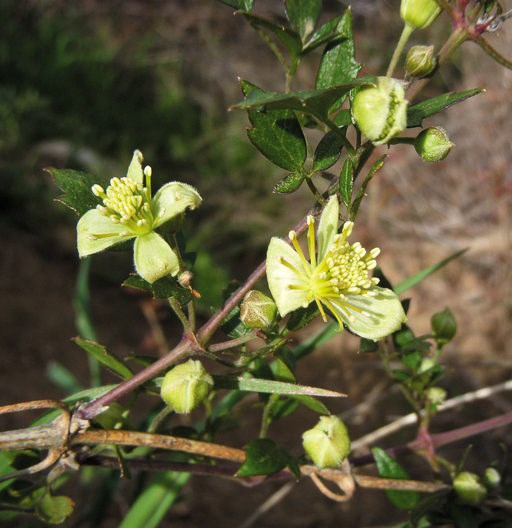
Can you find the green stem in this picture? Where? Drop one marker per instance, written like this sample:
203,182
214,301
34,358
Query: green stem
404,37
178,310
314,190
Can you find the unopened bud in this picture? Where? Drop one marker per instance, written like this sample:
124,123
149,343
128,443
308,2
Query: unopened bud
328,443
469,489
380,112
492,478
426,364
257,310
185,386
420,61
436,395
419,14
433,144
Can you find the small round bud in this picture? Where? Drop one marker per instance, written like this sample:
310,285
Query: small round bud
469,489
257,310
419,14
436,395
380,112
433,144
492,478
420,61
185,386
328,443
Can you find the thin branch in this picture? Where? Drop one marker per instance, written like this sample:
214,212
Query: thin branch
410,419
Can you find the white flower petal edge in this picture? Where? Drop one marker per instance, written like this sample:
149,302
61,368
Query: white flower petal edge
371,316
135,172
281,276
173,199
154,258
96,232
328,226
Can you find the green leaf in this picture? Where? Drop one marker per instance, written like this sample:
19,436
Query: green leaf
418,112
289,183
277,135
362,191
54,510
302,317
303,15
288,38
444,326
346,182
6,467
271,387
161,289
155,500
324,34
388,467
244,5
104,357
265,457
62,377
281,371
328,150
77,189
368,346
312,403
315,102
338,64
423,274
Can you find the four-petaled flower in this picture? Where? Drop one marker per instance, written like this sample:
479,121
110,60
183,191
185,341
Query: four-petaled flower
336,277
129,211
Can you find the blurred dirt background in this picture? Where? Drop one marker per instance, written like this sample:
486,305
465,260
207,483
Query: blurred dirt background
165,74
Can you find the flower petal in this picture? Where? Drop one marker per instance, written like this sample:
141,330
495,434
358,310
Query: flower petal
135,168
172,199
328,226
372,317
280,276
96,232
154,258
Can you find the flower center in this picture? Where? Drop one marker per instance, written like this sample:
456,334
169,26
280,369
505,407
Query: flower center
343,270
126,202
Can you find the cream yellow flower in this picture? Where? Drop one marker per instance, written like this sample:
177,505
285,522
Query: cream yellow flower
129,211
335,277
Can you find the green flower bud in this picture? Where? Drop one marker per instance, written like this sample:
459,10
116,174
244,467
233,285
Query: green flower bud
420,61
433,144
436,395
492,478
328,443
419,14
469,489
380,112
257,310
185,386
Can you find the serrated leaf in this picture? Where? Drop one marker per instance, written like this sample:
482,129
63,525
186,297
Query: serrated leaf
290,183
54,510
287,37
101,354
362,191
338,64
155,500
271,387
243,5
265,457
303,15
315,102
346,182
418,112
444,326
388,467
161,289
77,189
324,34
328,150
423,274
